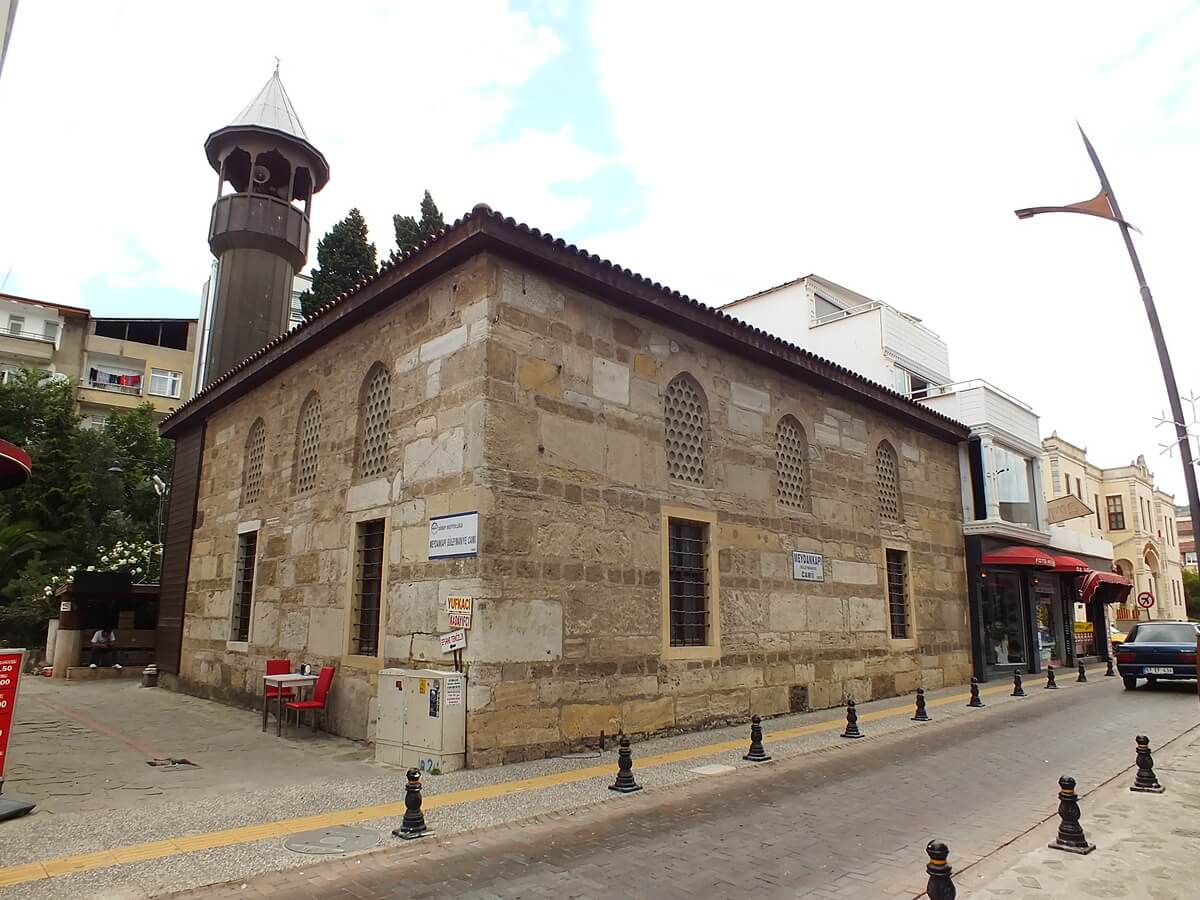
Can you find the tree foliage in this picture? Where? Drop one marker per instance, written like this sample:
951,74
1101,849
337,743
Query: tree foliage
1191,591
410,232
344,257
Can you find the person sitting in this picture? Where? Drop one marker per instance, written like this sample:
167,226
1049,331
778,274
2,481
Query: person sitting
104,647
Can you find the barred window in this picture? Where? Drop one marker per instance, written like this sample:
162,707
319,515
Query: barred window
374,418
887,476
686,420
308,443
252,468
791,463
897,586
689,583
368,588
243,586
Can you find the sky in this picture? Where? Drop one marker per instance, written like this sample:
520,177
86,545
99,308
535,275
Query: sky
718,148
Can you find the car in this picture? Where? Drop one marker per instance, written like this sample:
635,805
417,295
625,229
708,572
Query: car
1158,650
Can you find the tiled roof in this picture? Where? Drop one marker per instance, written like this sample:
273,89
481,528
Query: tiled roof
493,231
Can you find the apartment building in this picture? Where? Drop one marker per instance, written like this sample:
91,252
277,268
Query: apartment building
1187,540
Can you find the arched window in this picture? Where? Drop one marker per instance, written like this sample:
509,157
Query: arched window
887,476
686,416
374,419
791,463
252,467
308,444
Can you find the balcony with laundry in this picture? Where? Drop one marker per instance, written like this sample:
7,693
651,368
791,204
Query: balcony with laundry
112,380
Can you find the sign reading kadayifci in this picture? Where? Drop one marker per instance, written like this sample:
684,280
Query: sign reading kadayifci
454,535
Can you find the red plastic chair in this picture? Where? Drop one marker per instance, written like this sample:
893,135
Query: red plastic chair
318,703
279,667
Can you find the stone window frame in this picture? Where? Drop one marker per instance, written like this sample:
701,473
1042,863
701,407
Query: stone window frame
355,660
711,650
252,472
806,467
301,483
705,469
360,437
910,642
881,446
252,525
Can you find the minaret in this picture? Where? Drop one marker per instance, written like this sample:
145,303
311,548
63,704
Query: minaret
267,172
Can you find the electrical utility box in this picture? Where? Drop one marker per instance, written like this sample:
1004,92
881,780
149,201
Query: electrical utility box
421,719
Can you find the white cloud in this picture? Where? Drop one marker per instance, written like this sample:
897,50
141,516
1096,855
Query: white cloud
885,146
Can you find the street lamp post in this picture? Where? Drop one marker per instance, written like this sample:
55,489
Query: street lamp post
1104,205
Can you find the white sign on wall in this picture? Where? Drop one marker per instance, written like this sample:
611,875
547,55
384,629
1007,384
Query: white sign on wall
808,566
452,640
454,536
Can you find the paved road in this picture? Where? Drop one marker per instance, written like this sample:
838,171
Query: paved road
848,823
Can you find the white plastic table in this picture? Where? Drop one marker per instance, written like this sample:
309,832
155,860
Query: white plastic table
292,680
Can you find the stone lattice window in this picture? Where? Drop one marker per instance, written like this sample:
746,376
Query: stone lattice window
887,475
374,418
687,419
252,469
308,443
791,463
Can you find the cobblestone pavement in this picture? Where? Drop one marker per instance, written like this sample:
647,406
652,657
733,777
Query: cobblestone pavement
846,824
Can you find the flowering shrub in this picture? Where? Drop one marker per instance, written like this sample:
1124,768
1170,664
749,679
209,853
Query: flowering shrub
141,559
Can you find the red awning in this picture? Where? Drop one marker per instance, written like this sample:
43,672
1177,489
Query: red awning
1107,587
1020,556
15,465
1071,565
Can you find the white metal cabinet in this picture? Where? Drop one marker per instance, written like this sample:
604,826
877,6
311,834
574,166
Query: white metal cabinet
422,719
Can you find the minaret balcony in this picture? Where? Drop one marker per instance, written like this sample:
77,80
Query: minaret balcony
259,222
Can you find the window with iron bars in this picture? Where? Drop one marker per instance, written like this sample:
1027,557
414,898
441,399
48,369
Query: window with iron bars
897,585
243,586
689,583
368,588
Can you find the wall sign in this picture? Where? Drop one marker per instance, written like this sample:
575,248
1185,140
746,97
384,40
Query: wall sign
808,566
454,690
458,610
454,536
452,640
10,675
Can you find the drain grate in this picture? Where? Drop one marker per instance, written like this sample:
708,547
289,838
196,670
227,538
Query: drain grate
332,841
170,762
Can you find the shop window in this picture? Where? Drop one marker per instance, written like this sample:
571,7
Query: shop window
368,588
1116,513
791,463
899,608
887,477
1004,630
308,443
243,586
374,419
252,468
686,415
688,579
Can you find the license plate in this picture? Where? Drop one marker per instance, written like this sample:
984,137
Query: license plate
1158,670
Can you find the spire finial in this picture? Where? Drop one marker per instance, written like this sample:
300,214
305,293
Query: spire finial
277,65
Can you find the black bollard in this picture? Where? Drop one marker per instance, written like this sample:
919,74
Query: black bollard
1018,690
1070,834
921,715
413,824
1082,677
975,702
624,783
1109,672
1051,684
1146,781
757,753
941,886
851,721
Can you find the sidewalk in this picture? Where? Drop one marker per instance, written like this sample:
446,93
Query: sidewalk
1147,845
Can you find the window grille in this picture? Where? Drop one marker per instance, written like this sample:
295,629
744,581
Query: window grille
686,423
252,470
897,585
374,418
308,444
791,463
368,588
243,586
888,478
688,574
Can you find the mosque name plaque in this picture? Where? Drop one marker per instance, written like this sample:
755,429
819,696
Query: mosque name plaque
454,536
808,566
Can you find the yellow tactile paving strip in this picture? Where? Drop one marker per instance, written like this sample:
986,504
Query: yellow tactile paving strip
51,868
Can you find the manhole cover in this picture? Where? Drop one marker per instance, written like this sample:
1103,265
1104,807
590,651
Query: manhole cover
329,841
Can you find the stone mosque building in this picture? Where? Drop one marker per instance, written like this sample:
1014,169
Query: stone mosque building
663,517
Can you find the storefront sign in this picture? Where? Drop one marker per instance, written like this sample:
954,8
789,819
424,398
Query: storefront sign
808,566
10,676
454,536
1145,600
452,640
454,691
458,610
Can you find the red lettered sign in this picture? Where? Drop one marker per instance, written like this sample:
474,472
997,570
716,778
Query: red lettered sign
10,675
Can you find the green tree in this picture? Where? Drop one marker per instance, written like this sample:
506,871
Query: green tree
1191,591
344,257
410,232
